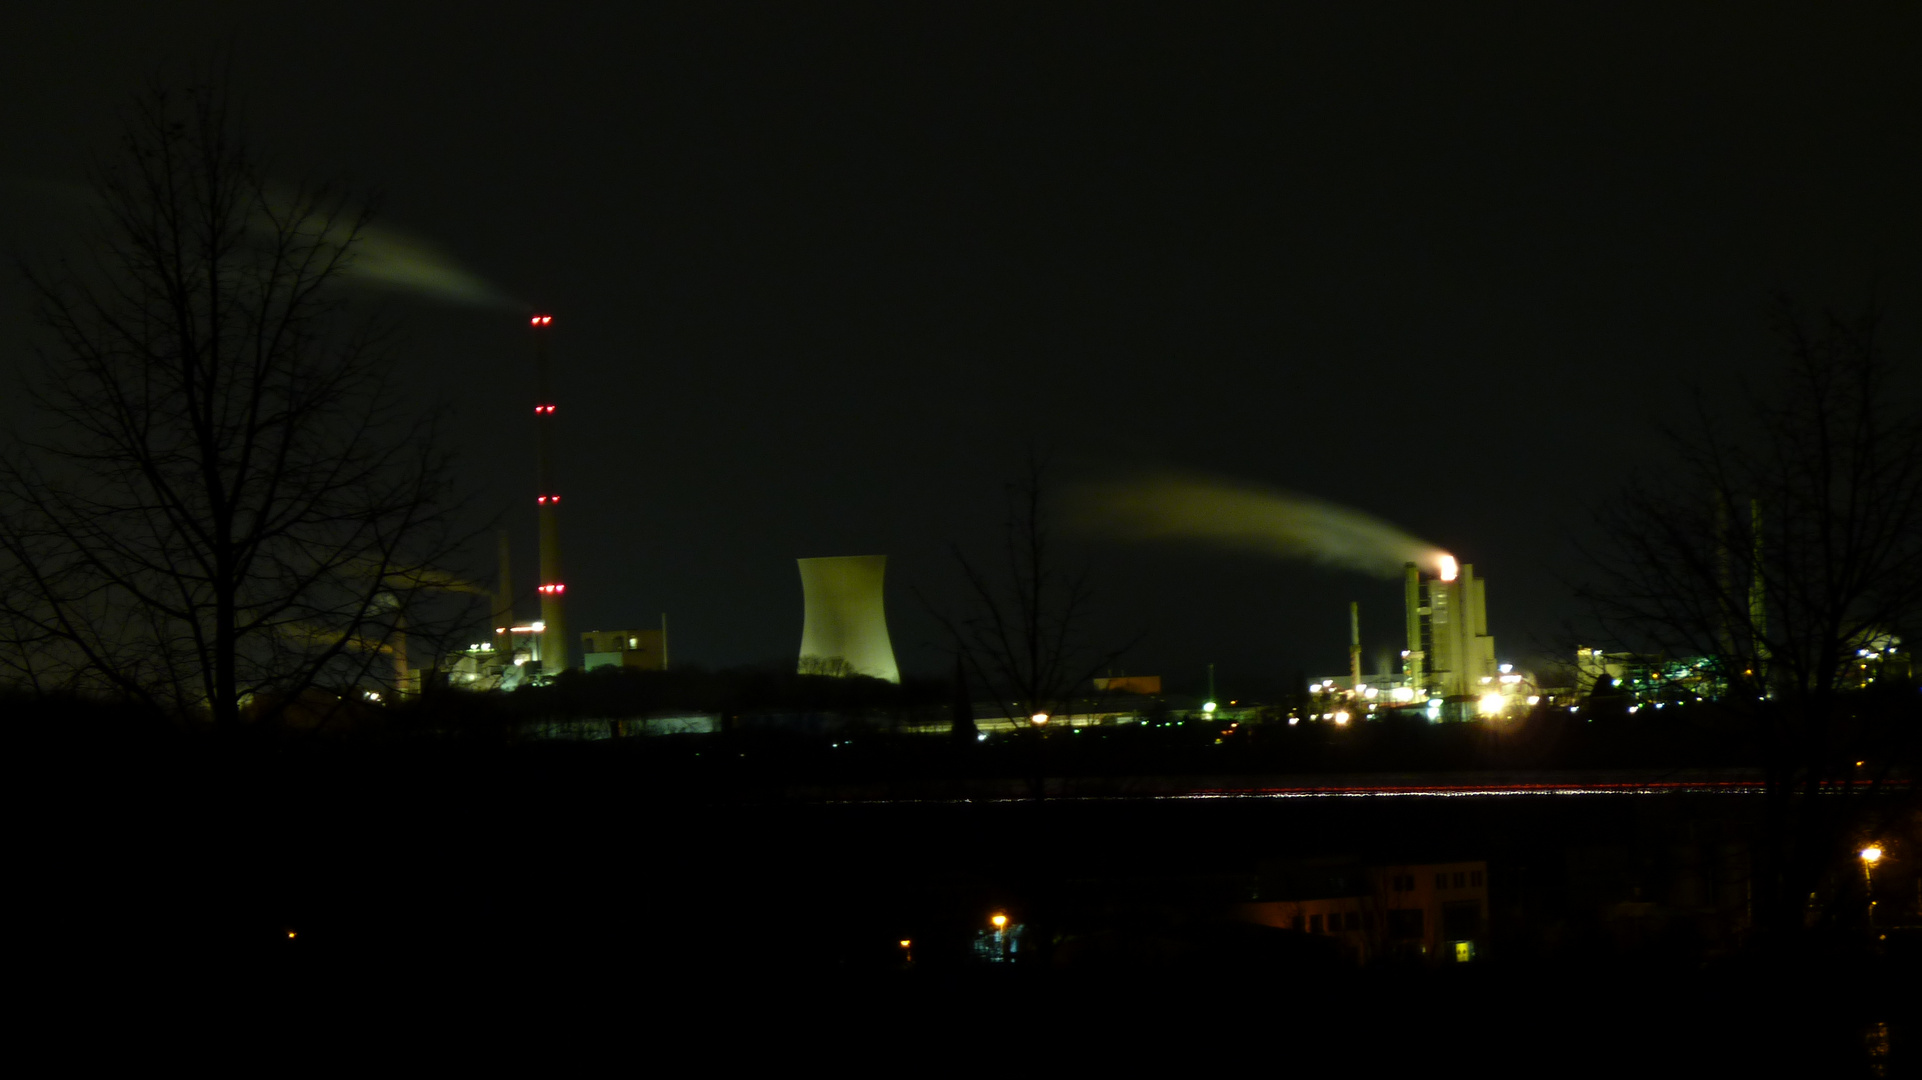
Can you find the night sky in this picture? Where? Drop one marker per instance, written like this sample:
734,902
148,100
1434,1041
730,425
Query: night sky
821,273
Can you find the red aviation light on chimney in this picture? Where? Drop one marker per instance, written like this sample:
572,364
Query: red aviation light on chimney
553,590
547,409
543,500
540,320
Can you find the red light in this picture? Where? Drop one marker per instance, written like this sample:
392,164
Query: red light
543,500
540,320
543,409
553,590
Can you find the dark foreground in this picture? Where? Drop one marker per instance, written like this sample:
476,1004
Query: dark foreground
561,878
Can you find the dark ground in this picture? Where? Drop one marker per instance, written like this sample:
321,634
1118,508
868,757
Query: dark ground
432,876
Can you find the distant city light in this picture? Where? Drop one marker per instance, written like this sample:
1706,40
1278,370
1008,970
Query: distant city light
1448,568
1872,854
1207,706
1039,719
540,320
1492,704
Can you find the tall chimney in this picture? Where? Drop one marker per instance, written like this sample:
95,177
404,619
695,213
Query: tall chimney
1354,644
553,638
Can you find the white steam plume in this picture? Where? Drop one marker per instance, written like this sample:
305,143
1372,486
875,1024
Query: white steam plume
391,260
1172,506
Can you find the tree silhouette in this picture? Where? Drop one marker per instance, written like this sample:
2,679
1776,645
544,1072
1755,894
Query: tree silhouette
1023,636
1783,541
224,501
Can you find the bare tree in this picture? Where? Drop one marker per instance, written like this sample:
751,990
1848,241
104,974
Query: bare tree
1784,543
1024,637
222,500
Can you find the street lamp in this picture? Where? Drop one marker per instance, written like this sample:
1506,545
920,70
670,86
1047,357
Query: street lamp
1039,719
1870,856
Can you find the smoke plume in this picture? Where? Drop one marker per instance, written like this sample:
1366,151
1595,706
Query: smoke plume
1171,506
391,260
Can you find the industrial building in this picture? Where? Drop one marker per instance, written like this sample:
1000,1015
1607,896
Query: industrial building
1450,652
645,650
1449,668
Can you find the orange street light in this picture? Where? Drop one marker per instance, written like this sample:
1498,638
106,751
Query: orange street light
1870,856
1038,719
1000,921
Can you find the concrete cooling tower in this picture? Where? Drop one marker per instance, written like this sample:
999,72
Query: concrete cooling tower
845,628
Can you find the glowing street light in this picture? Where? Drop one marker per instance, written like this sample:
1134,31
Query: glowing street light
1000,922
1038,719
1870,856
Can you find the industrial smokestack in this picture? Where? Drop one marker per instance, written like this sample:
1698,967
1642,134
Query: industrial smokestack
1354,643
554,651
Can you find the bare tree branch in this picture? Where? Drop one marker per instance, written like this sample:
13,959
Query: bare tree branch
230,503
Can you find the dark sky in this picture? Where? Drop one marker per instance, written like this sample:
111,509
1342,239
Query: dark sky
822,272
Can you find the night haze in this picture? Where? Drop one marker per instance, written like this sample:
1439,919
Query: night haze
821,278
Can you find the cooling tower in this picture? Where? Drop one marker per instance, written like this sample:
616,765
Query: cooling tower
845,628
